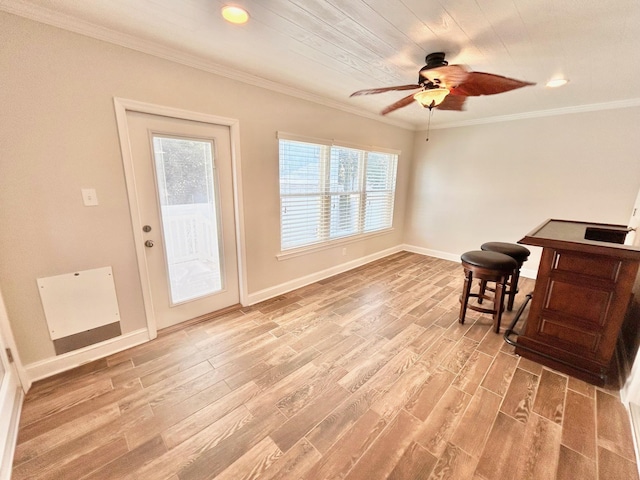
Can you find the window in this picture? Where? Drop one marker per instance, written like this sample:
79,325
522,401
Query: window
329,192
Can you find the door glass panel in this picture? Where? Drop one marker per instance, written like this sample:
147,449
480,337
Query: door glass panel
187,191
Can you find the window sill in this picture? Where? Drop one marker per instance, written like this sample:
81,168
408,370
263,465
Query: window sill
296,252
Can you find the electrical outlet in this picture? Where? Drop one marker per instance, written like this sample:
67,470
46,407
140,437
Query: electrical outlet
89,197
344,251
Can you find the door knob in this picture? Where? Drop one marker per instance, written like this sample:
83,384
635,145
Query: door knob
148,243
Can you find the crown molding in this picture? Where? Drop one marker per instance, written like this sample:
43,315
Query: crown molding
69,23
88,29
594,107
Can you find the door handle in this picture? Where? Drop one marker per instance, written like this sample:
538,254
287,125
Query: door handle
148,243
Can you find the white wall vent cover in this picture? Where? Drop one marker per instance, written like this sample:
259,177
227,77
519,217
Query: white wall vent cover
77,302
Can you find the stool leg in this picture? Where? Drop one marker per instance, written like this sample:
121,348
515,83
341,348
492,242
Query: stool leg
498,302
513,288
464,298
483,288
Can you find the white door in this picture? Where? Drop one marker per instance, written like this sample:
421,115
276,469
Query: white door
10,398
184,184
633,237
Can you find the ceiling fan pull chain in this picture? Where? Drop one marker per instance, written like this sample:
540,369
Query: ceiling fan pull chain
429,124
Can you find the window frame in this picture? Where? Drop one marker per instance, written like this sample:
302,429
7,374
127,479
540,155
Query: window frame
326,194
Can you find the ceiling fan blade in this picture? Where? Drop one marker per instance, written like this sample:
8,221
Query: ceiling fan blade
403,102
453,102
371,91
479,83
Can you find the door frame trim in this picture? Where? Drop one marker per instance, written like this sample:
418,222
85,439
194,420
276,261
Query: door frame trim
122,106
8,340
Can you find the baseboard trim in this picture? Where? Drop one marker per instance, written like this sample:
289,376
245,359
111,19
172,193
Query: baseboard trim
455,257
634,417
629,377
271,292
10,442
281,289
61,363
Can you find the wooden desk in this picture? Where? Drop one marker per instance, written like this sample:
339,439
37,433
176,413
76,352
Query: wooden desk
584,294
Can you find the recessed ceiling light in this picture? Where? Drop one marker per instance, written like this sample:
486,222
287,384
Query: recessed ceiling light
235,14
557,82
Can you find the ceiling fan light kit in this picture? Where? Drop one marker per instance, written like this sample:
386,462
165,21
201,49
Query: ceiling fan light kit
446,87
431,97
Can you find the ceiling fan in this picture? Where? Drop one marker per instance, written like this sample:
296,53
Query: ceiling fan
447,87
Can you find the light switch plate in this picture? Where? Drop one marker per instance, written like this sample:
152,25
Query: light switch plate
89,197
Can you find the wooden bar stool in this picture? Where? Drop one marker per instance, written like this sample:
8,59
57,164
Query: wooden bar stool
486,267
520,254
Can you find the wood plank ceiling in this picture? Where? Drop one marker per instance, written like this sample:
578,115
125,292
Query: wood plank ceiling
326,49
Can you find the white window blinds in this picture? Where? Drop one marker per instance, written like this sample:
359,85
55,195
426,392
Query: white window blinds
329,192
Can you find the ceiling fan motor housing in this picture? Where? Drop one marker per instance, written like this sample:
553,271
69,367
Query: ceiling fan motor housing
435,60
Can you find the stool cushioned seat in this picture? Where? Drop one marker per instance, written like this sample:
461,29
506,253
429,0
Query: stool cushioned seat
519,253
490,260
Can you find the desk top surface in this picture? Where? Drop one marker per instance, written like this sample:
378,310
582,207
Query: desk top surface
570,234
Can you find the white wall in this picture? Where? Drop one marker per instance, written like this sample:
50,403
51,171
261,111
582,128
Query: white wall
497,182
58,135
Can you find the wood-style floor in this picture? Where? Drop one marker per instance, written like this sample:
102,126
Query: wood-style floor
366,375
